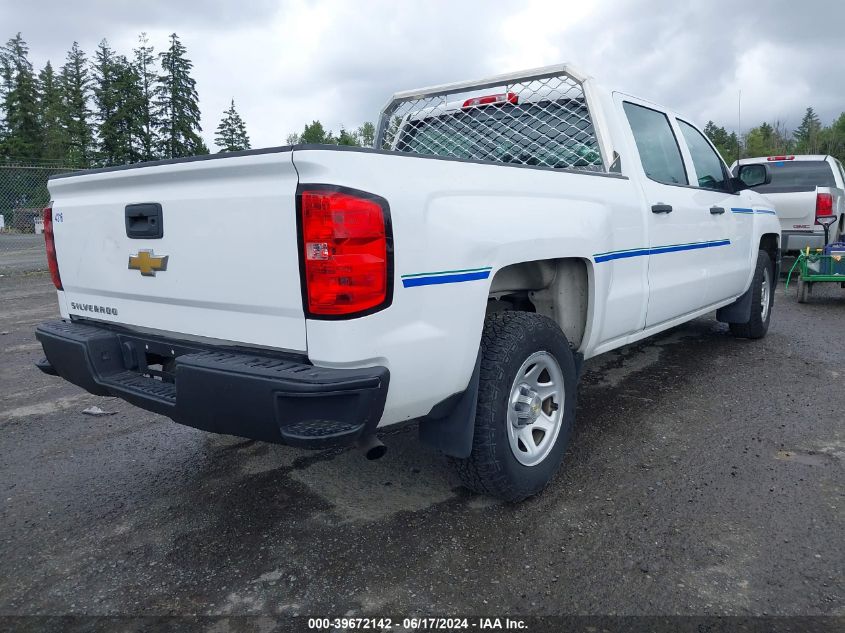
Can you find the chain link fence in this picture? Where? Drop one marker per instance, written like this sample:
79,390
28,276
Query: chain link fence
23,196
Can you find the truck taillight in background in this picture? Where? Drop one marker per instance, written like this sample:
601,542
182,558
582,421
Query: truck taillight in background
50,243
346,250
824,204
497,99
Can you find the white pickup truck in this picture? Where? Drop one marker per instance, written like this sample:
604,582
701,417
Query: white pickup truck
457,274
804,189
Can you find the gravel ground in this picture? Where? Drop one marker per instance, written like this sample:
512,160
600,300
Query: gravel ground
705,476
21,253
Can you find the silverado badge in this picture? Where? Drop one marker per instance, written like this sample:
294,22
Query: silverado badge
147,263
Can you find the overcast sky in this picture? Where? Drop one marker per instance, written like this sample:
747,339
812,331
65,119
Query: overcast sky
288,62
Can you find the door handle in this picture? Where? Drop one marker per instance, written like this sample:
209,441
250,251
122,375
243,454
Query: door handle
717,210
661,208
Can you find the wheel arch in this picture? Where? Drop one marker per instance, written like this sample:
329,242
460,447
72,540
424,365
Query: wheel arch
770,242
559,288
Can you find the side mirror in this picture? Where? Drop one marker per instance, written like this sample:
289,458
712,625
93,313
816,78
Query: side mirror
752,175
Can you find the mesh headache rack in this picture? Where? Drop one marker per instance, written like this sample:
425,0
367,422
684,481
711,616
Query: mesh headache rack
539,117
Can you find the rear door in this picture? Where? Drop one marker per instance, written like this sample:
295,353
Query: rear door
728,218
680,229
226,264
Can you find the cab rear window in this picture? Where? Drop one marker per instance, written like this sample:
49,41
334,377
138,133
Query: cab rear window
797,175
557,134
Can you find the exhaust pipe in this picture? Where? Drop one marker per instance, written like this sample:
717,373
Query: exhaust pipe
372,447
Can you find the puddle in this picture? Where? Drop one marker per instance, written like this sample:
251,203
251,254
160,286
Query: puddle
45,408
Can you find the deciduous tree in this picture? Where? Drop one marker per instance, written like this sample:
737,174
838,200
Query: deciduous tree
367,134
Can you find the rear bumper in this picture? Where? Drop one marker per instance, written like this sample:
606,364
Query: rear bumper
271,397
793,241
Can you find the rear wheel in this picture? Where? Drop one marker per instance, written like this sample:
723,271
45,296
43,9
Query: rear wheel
762,299
526,406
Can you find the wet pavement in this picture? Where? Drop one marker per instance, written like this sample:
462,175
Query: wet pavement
705,476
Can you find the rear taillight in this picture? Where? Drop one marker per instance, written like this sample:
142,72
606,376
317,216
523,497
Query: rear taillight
50,242
346,252
824,204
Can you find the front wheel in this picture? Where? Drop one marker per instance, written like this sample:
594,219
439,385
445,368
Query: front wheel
526,407
762,300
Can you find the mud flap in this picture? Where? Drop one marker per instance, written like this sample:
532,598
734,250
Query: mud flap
737,312
450,425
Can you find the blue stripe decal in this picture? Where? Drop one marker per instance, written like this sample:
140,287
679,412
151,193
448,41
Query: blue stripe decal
657,250
752,211
444,279
606,257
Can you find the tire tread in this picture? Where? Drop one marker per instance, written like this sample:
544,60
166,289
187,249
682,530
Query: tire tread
482,471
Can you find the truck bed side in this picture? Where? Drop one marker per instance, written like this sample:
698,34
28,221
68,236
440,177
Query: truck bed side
455,225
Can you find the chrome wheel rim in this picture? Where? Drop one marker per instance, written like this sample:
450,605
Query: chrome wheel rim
765,295
535,408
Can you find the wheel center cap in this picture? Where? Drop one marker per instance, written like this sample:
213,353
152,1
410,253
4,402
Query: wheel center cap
528,407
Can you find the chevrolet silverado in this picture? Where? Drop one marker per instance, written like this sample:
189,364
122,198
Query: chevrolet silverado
458,273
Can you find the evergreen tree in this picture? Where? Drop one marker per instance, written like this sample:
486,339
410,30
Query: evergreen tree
176,106
721,139
6,80
51,115
105,99
734,148
807,134
129,114
76,86
144,63
231,133
22,134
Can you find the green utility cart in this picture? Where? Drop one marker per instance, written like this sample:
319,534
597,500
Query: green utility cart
821,266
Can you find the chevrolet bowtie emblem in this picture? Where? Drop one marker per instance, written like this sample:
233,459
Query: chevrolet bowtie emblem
147,263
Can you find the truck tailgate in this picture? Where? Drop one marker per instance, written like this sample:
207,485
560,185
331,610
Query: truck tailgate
229,236
798,207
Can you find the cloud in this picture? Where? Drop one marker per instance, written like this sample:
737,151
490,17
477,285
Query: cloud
288,63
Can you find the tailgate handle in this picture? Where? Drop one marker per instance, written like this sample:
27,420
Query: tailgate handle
144,221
